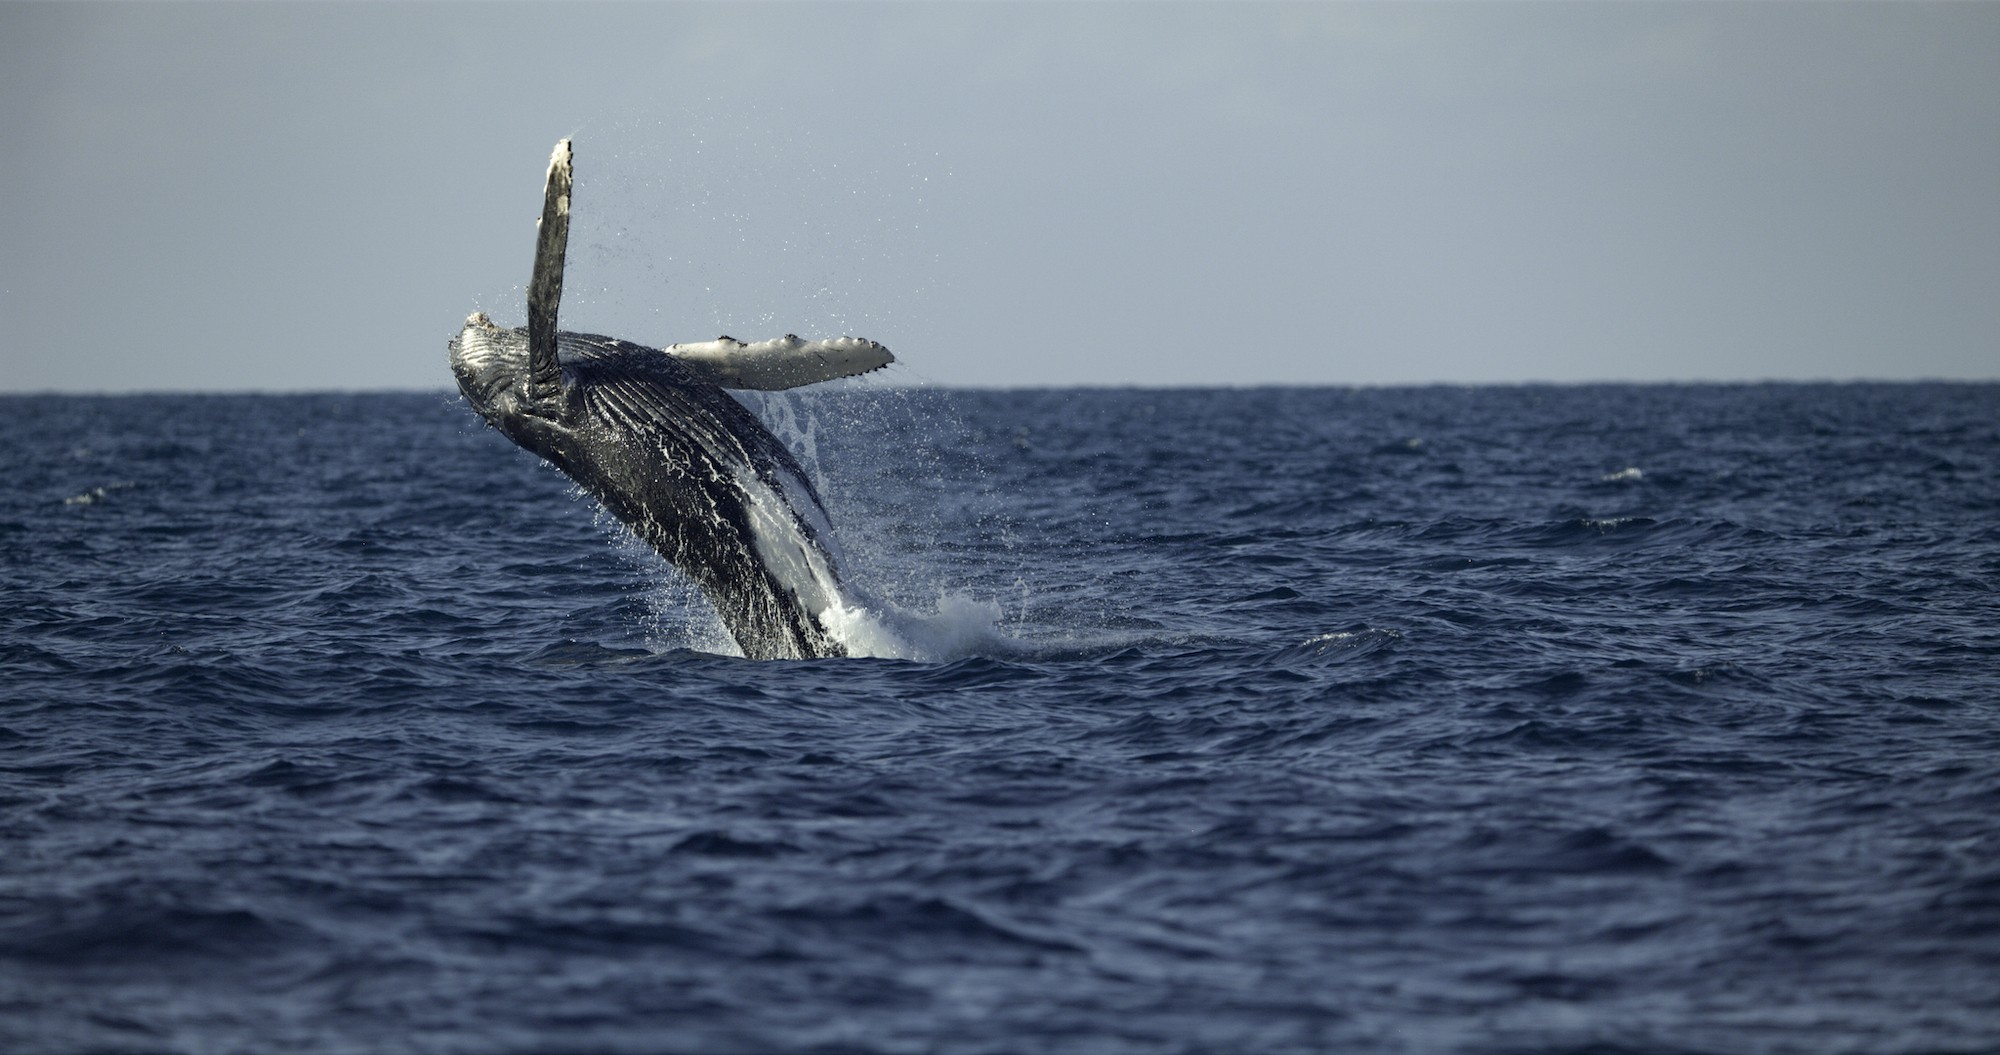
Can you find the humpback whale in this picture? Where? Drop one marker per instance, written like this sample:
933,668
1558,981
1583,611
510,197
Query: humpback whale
653,436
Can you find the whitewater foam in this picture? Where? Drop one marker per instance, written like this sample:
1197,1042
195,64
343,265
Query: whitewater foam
958,627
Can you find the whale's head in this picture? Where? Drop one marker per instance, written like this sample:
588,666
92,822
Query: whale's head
491,365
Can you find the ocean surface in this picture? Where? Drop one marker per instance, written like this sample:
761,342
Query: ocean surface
1489,719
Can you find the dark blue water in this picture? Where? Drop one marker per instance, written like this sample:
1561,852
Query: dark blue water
1643,719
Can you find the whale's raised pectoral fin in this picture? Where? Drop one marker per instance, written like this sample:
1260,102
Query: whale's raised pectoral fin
545,288
787,362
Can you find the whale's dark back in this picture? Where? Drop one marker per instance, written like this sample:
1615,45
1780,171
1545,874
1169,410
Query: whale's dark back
691,471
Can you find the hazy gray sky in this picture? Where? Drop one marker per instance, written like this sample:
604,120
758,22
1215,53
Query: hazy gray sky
229,196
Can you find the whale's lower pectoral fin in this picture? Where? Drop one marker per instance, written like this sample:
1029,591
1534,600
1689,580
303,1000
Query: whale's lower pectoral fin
787,362
545,288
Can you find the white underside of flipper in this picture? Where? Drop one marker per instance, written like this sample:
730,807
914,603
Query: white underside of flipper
786,362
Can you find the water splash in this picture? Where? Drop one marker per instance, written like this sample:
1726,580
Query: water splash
956,628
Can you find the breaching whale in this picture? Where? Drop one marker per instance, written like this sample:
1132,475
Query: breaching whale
650,433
